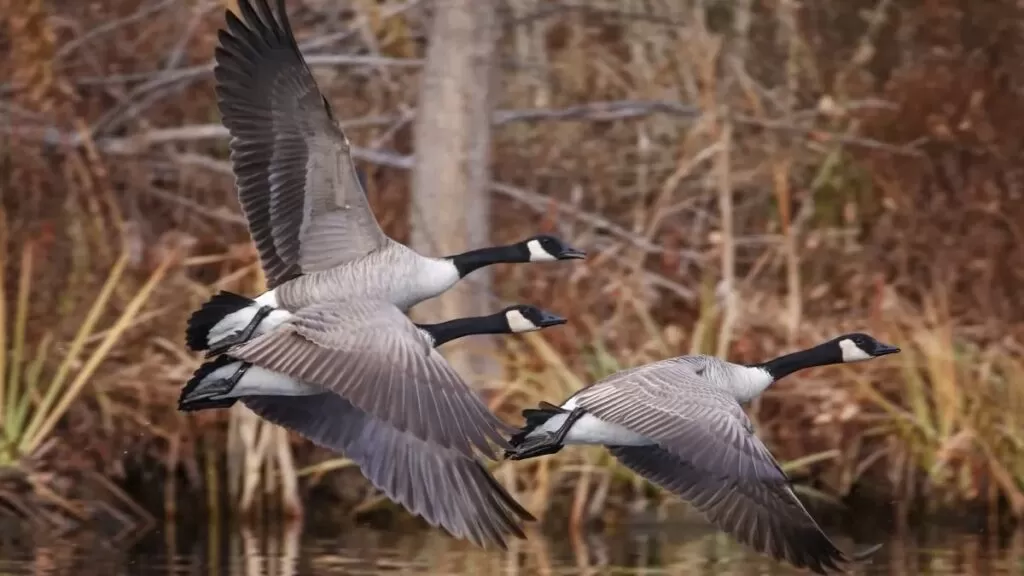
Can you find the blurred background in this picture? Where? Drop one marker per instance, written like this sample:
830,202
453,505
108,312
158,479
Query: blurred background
748,177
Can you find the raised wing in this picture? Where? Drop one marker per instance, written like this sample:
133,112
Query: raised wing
297,185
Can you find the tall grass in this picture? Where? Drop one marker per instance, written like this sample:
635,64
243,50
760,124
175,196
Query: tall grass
41,377
954,414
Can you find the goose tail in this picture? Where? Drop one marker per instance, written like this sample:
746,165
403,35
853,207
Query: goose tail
210,314
535,417
186,401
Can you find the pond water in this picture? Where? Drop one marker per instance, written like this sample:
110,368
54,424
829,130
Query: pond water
650,550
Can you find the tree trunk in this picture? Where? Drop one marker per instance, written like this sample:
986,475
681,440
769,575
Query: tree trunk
450,204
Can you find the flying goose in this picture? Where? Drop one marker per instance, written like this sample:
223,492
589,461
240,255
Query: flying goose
400,418
306,209
232,380
678,422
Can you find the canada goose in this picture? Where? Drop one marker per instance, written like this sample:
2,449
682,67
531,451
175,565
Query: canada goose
389,419
222,387
678,422
306,209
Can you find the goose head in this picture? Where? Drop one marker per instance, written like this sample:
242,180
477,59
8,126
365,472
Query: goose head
857,346
526,318
547,248
853,347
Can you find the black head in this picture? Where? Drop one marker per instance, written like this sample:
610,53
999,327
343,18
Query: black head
526,318
858,346
546,248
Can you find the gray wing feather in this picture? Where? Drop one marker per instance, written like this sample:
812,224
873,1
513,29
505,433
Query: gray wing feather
765,516
297,185
444,487
371,353
682,412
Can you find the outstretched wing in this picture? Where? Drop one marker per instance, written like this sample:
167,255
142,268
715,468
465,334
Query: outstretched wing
297,185
446,488
673,405
372,354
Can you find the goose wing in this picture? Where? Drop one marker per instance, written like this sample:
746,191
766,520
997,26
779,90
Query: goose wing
674,406
370,353
446,488
297,185
765,516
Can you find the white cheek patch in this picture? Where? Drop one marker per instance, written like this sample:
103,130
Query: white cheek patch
537,252
519,323
852,352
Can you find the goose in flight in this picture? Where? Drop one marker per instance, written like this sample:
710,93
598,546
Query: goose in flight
385,399
306,209
678,422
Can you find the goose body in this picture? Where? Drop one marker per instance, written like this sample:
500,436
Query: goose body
385,399
679,423
303,200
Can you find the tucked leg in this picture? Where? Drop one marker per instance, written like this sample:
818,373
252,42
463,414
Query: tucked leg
242,335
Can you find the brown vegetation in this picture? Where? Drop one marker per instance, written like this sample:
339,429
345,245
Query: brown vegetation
746,181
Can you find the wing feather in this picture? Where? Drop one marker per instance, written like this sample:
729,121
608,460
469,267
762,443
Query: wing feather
371,353
670,403
305,206
446,488
768,517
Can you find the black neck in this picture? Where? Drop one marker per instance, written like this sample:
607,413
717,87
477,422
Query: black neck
470,261
454,329
820,355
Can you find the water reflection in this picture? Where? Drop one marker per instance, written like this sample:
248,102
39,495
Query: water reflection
289,550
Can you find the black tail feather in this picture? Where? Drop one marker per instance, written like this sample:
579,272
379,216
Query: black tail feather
209,314
204,370
534,417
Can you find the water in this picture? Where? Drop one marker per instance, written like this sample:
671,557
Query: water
354,550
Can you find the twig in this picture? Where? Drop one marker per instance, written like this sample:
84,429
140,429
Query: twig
612,109
600,111
178,52
138,143
727,247
541,203
780,168
535,201
558,8
594,111
140,14
223,214
144,96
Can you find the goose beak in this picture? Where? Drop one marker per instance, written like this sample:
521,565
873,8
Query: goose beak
885,349
548,319
570,253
